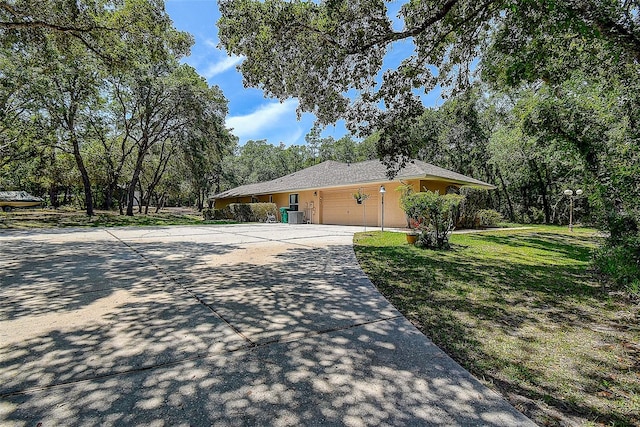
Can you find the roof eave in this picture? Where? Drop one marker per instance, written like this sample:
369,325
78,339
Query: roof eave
481,185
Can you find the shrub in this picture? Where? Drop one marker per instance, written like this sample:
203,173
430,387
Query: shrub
433,215
216,214
620,260
242,212
488,218
475,200
260,211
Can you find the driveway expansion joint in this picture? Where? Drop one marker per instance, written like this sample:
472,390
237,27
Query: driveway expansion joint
183,287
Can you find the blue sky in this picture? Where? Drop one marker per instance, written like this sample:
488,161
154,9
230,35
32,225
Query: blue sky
251,115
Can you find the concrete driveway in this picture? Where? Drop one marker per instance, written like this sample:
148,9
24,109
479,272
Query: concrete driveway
269,324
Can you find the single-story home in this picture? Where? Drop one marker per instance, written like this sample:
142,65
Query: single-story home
325,192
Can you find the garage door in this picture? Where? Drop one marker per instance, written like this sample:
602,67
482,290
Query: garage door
340,208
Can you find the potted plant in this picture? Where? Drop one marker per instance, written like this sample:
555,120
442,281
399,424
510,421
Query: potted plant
414,232
412,236
360,197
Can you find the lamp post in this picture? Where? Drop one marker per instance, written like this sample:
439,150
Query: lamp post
382,191
572,196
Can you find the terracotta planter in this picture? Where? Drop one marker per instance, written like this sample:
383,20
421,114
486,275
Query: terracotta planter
412,238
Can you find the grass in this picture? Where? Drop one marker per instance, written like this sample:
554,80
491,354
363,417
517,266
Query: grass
522,311
53,218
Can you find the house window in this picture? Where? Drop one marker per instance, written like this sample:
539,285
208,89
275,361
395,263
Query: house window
293,202
271,199
254,199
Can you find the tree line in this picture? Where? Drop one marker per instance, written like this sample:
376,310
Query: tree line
93,91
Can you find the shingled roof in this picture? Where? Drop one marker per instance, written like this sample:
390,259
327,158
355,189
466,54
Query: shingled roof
337,174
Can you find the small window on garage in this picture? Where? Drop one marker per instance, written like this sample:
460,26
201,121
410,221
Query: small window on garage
293,202
254,200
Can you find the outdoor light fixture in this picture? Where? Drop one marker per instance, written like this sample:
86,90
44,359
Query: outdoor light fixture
572,196
382,191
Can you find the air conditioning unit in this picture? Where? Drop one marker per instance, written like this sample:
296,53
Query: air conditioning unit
296,217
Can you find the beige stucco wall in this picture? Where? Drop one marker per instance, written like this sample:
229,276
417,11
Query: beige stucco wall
223,203
435,185
337,205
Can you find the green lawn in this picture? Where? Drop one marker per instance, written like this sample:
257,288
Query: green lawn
51,218
523,312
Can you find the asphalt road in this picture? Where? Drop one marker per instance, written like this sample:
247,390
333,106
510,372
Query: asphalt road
268,324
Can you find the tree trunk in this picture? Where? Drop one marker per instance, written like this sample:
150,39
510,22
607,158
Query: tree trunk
122,199
204,197
131,192
147,202
108,197
512,215
53,195
160,203
141,199
542,185
86,182
199,201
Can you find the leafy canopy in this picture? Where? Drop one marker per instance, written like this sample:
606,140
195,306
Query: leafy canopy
329,54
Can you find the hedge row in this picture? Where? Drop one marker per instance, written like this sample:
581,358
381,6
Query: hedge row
242,212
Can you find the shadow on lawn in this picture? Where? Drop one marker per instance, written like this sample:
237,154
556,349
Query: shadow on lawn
46,219
576,249
448,294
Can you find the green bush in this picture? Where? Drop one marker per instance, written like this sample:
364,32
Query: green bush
620,261
260,211
242,212
433,215
475,200
216,214
488,218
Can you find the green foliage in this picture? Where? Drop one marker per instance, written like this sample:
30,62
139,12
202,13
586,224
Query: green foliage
109,30
433,215
475,200
102,80
488,218
517,42
621,263
215,214
258,161
243,212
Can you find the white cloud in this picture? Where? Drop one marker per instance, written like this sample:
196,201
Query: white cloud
221,66
211,43
294,138
253,125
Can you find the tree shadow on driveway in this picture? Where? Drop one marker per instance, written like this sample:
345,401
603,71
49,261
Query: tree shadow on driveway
299,338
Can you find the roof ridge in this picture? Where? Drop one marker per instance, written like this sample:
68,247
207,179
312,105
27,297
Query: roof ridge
332,173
